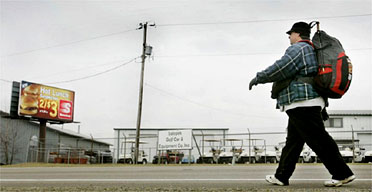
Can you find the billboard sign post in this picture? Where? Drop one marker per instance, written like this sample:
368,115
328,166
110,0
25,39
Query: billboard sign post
45,103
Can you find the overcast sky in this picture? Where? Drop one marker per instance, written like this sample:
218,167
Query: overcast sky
204,55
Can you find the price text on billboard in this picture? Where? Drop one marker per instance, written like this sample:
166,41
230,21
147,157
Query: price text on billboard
46,102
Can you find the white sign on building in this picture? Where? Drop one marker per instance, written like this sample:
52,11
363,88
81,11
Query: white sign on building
174,139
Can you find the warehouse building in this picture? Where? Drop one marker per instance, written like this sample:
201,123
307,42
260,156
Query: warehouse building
346,126
19,141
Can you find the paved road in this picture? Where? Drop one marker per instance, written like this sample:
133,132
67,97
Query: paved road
174,178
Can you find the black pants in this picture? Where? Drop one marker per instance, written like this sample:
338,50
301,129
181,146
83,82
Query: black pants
306,125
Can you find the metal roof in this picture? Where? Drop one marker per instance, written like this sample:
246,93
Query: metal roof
63,131
350,112
75,134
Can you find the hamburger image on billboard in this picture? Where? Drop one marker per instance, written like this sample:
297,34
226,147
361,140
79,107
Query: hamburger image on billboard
45,102
29,105
29,100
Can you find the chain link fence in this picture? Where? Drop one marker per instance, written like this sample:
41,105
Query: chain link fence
206,148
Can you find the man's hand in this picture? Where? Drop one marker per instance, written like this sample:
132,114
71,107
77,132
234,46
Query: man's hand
252,83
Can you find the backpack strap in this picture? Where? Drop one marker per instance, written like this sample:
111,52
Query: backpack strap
308,42
313,23
309,80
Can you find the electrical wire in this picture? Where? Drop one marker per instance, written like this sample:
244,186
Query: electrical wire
116,67
173,56
96,74
259,21
202,105
184,24
4,80
216,55
68,43
238,54
82,68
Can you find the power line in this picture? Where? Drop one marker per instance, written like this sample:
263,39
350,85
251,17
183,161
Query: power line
96,74
68,43
217,55
4,80
82,68
86,77
239,54
259,21
200,104
171,56
184,24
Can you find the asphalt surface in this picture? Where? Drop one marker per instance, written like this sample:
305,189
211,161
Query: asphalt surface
307,177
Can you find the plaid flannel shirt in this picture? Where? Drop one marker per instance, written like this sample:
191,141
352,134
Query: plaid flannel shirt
299,60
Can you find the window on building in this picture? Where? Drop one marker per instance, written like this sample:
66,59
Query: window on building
333,123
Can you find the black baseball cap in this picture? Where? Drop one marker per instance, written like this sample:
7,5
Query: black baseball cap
300,27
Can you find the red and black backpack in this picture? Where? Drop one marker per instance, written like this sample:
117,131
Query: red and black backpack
335,68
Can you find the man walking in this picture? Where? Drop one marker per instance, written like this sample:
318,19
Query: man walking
303,106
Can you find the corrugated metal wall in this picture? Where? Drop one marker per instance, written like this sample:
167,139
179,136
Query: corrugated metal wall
19,132
25,150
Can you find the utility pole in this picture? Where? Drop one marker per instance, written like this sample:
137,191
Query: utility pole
352,140
249,145
146,50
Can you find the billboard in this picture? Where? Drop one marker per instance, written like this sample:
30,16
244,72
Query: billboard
45,102
174,139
